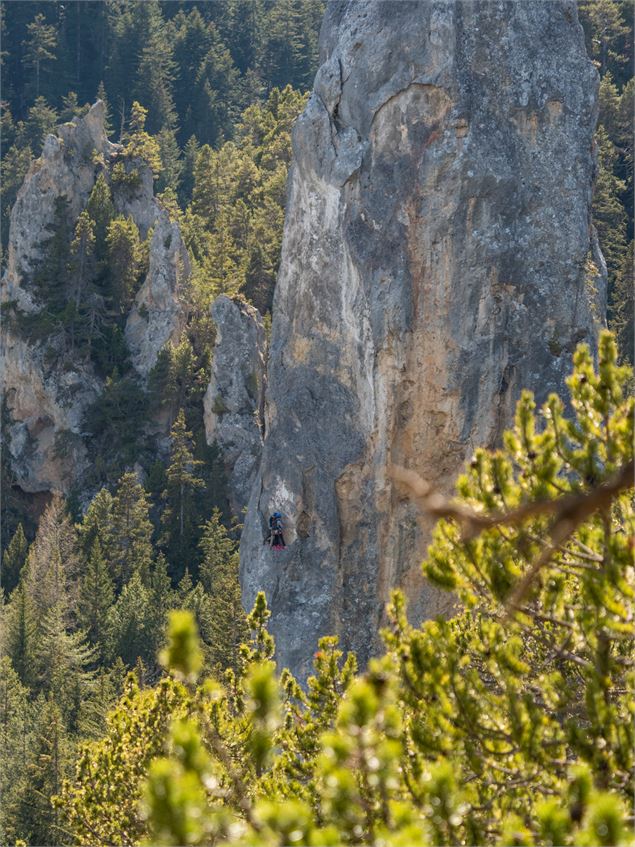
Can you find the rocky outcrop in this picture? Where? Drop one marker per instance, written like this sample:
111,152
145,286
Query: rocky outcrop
433,264
46,389
44,398
234,399
159,312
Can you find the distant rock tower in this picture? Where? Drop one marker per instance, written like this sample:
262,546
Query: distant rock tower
433,264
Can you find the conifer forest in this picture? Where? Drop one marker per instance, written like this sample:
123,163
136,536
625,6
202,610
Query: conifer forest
317,518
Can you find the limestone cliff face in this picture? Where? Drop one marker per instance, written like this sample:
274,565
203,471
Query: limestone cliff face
159,312
433,265
235,397
46,394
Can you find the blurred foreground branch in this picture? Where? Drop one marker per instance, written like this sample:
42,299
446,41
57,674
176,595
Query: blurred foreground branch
569,511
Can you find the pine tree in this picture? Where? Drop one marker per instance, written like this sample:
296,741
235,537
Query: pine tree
224,626
129,546
179,519
156,68
95,525
63,659
34,816
71,108
101,211
51,272
162,598
171,164
14,165
53,563
20,633
41,121
190,153
96,596
101,95
141,145
117,420
622,305
242,30
206,80
608,212
39,46
15,740
82,270
125,257
607,29
13,560
130,631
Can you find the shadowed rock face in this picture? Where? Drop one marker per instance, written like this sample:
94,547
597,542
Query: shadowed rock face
433,264
233,403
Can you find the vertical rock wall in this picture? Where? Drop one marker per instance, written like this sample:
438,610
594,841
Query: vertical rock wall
234,400
433,264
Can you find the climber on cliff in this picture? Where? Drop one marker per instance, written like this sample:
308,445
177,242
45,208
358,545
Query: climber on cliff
275,538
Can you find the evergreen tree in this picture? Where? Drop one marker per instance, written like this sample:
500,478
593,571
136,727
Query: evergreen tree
51,272
13,168
34,816
140,144
20,634
62,659
242,28
95,525
82,270
101,95
206,79
190,153
96,596
224,626
622,305
116,421
125,256
129,547
13,560
41,120
608,212
53,564
171,164
156,68
162,597
39,47
15,740
130,630
71,107
101,211
607,30
179,518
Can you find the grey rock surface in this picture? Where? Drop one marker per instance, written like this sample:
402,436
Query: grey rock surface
234,400
433,265
159,313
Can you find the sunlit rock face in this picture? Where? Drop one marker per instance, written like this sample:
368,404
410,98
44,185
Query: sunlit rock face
433,264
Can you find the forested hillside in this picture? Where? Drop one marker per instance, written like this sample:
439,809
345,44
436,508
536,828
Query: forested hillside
204,95
608,29
511,724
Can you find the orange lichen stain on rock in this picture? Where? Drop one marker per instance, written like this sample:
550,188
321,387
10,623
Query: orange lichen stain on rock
461,128
527,123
